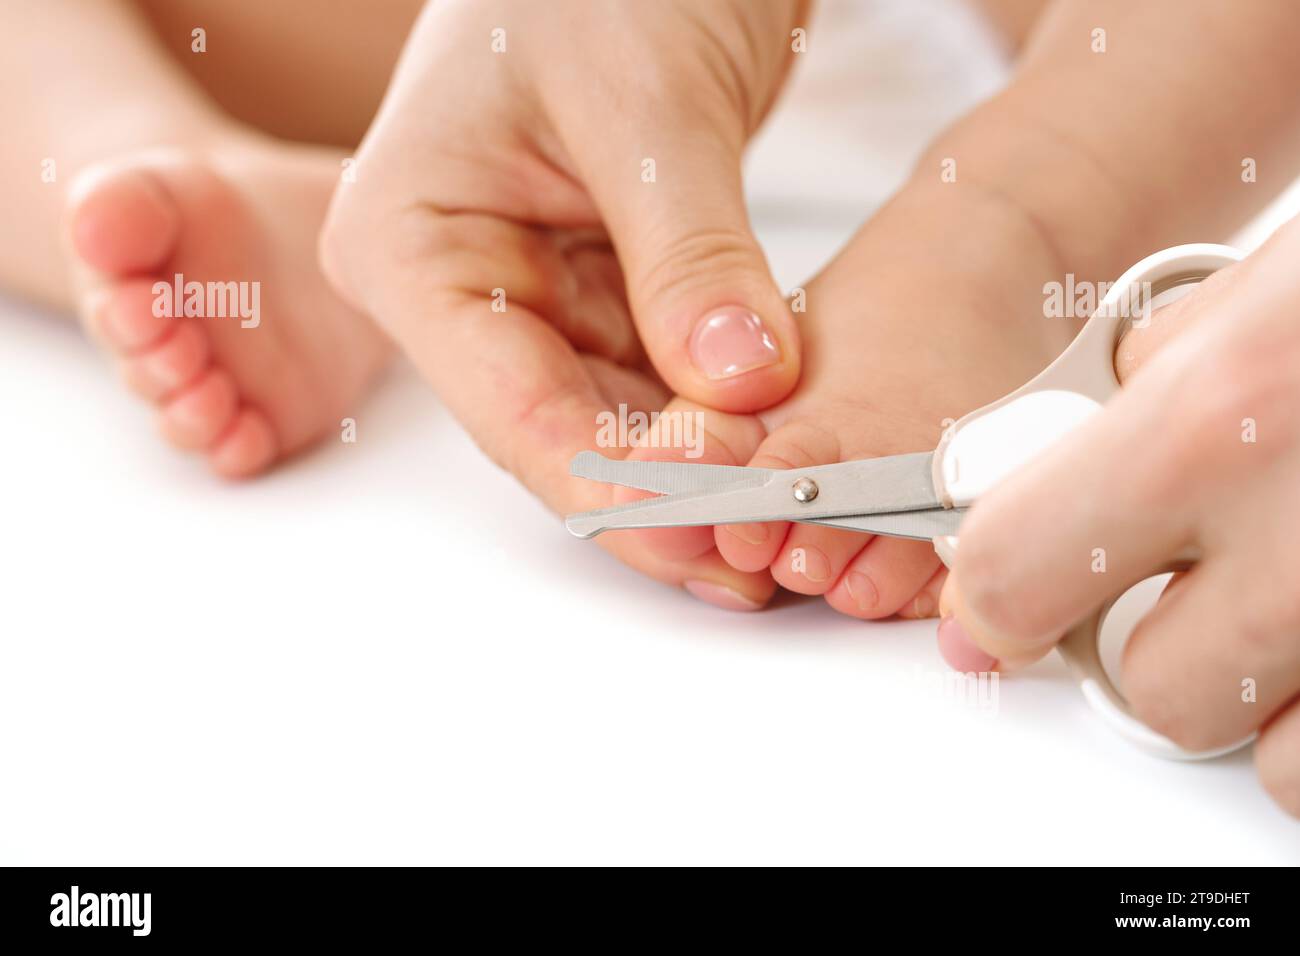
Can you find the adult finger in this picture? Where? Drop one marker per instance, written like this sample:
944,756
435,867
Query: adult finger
667,183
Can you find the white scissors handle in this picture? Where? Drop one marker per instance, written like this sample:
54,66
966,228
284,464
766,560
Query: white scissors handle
991,442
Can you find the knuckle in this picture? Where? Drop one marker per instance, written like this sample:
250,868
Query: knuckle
332,252
345,237
402,238
374,215
687,261
364,249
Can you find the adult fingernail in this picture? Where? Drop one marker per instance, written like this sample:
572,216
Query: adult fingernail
960,652
731,341
721,596
862,590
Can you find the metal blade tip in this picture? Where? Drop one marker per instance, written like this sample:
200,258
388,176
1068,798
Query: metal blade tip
582,526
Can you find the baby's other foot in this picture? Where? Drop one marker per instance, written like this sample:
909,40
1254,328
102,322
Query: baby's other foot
198,273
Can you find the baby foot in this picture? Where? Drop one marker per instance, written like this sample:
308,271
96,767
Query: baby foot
911,327
256,357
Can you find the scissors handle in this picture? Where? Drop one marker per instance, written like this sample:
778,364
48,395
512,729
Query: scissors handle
990,443
1081,648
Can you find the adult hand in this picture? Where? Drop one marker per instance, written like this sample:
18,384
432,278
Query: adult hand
547,215
1200,449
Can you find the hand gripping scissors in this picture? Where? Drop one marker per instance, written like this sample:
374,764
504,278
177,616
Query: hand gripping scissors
926,495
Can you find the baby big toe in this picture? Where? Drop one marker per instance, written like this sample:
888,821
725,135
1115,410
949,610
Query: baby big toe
122,220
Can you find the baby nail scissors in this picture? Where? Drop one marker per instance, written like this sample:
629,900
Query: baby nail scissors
926,495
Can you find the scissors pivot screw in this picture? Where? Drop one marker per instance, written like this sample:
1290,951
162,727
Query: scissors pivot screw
805,490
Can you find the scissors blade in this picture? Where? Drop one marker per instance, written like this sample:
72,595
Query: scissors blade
921,525
870,486
665,477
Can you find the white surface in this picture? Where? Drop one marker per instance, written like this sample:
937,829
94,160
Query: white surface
388,653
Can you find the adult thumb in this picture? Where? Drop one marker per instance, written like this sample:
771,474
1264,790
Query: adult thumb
713,322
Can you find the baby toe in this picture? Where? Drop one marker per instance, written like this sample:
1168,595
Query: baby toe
813,558
800,444
926,603
123,317
197,415
247,448
686,432
171,364
122,220
886,576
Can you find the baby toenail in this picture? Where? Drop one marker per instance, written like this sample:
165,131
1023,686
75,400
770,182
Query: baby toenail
811,563
863,591
731,341
749,533
721,596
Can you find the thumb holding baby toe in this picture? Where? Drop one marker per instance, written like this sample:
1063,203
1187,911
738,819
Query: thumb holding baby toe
714,323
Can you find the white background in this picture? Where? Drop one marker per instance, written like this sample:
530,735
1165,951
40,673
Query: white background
387,652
